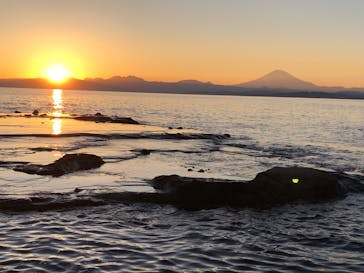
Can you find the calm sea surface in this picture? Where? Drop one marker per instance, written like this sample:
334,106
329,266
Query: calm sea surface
265,132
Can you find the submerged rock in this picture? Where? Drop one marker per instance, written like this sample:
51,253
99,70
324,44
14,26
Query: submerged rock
145,151
273,187
98,117
67,164
77,190
42,149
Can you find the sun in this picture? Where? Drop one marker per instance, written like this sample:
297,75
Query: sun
57,74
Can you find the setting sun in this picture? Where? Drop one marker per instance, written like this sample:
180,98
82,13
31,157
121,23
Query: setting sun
57,74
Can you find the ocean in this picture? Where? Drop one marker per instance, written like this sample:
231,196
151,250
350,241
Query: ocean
222,137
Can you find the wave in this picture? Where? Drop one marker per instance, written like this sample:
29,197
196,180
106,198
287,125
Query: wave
287,151
320,157
177,136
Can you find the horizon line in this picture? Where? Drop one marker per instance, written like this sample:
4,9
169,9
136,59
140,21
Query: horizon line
176,81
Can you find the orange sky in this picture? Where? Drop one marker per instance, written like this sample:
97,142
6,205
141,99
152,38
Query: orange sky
225,42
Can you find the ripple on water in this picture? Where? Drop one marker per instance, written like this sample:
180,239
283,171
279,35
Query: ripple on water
135,238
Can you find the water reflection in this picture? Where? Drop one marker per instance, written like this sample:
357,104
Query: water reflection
56,126
57,111
57,103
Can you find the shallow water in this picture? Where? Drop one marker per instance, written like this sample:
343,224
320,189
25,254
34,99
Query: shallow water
265,132
144,238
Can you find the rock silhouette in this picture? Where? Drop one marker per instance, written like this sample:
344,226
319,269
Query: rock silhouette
69,163
273,187
98,117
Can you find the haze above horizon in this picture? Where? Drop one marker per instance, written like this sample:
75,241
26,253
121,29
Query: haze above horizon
227,42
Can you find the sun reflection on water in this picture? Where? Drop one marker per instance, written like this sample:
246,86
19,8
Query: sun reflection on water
56,126
57,102
57,111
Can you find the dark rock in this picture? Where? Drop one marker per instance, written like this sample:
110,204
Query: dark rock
170,128
178,136
142,151
29,168
283,185
27,115
77,190
98,114
273,187
145,151
124,120
43,115
270,188
101,118
17,112
179,128
35,113
42,149
94,118
227,135
190,170
201,171
67,164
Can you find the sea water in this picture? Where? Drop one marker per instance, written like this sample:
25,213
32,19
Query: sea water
264,132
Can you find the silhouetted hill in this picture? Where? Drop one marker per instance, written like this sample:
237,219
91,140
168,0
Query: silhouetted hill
135,84
192,82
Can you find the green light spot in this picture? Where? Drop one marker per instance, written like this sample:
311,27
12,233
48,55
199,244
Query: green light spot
295,180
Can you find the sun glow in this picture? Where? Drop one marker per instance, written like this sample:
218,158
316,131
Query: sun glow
57,74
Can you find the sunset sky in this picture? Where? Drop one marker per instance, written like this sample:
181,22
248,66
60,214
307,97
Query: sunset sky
224,41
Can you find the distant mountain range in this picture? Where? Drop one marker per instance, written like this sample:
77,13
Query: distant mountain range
277,83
